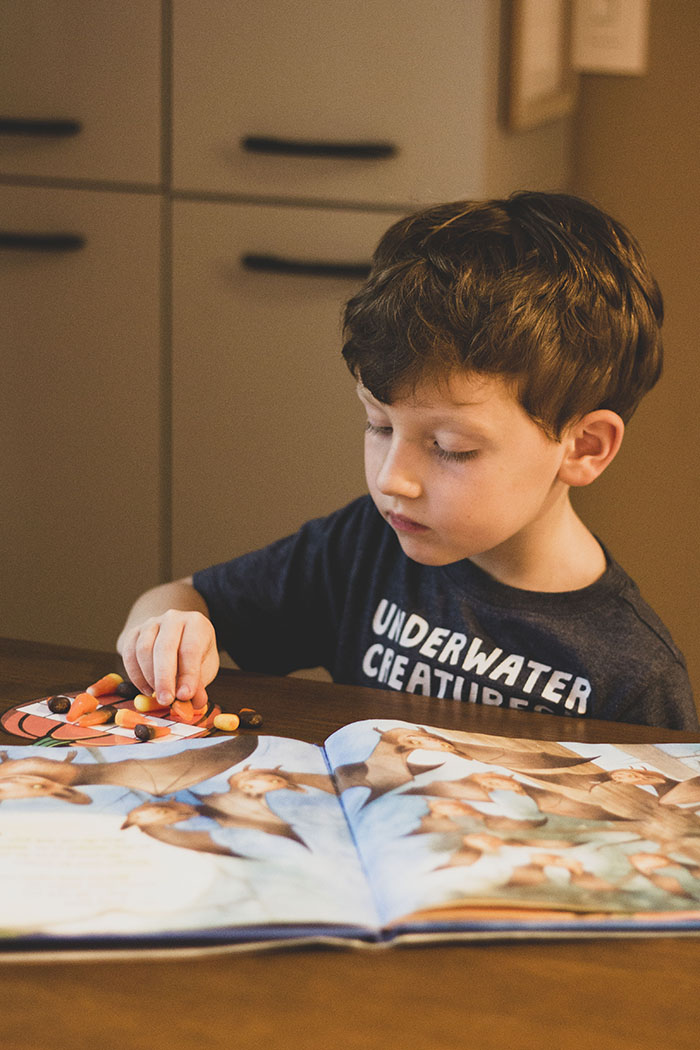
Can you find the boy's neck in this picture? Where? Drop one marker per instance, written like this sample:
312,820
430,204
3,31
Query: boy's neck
563,555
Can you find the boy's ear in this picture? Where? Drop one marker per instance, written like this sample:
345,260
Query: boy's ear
590,445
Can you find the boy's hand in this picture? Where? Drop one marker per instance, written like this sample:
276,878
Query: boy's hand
173,654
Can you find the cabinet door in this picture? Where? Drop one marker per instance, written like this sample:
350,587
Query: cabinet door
267,428
80,433
94,63
406,82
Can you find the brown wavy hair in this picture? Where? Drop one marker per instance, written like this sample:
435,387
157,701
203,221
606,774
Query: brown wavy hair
542,289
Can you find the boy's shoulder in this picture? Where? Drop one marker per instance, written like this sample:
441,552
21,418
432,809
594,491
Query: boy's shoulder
607,631
640,615
612,604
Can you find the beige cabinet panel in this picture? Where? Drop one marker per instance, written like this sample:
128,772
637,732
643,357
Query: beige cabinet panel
92,61
267,428
416,76
80,431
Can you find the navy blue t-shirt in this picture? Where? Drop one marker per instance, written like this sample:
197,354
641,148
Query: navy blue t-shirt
341,594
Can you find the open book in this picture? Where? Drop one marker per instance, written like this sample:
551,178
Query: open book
389,831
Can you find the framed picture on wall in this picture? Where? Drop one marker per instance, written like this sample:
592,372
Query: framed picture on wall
542,85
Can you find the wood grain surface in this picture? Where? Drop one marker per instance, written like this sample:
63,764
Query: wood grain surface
602,994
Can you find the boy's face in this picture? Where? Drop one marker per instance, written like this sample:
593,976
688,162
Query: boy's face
459,470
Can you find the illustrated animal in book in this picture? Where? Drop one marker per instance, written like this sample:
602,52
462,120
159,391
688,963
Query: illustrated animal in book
448,814
535,872
652,808
472,848
542,758
389,766
160,819
654,867
164,775
243,805
670,792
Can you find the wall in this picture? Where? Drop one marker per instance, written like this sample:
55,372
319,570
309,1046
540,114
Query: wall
637,147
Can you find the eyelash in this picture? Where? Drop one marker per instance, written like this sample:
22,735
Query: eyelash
441,453
454,457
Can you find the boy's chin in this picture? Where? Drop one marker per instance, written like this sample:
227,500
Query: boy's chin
423,554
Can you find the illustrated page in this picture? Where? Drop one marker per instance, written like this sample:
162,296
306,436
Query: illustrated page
213,833
448,820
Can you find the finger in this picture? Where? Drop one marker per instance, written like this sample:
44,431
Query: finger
194,646
138,656
166,657
200,698
133,671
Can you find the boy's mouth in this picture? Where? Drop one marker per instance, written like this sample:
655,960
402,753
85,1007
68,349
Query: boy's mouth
403,524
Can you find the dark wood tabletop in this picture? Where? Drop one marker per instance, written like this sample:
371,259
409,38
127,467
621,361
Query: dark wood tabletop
601,993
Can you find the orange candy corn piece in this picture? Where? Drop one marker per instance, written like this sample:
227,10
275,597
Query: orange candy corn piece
182,711
127,719
107,684
160,731
97,717
82,704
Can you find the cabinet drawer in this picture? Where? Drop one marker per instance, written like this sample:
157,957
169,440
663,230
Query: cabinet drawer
80,85
267,430
80,429
406,89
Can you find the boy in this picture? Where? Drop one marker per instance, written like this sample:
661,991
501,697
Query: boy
498,348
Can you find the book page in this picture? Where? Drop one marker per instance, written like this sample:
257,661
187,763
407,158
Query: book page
446,822
193,837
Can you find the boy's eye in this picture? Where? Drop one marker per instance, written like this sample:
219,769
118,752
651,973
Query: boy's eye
372,428
453,457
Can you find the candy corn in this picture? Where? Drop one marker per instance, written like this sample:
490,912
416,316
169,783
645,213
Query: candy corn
82,704
182,711
97,717
107,684
127,719
96,706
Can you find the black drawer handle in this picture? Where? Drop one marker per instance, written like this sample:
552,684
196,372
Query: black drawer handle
306,148
41,242
46,128
304,268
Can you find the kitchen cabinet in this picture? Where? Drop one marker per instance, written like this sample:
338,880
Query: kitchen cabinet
371,78
267,431
80,501
346,101
80,83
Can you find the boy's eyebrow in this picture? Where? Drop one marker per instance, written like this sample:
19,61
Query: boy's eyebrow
366,395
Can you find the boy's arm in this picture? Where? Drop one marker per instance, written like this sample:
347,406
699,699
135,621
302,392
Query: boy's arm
168,643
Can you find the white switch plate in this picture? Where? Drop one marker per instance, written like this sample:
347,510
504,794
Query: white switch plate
610,36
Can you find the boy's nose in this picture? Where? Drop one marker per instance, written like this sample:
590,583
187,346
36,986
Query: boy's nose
397,476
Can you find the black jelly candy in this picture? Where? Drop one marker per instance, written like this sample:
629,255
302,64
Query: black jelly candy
59,704
143,732
249,718
127,690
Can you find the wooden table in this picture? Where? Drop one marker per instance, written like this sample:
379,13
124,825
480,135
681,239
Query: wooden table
596,994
